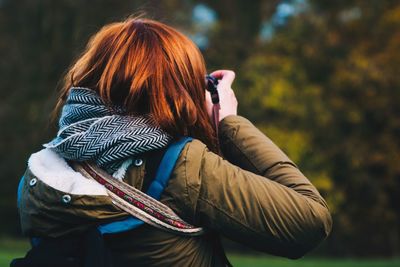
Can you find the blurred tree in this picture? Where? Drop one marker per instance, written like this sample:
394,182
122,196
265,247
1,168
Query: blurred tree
237,31
322,82
325,87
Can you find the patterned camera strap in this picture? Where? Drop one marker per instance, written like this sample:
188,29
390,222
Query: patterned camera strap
137,203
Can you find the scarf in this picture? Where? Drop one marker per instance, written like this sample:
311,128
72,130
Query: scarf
92,131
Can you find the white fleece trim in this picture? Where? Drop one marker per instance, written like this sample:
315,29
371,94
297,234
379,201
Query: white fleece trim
120,173
53,170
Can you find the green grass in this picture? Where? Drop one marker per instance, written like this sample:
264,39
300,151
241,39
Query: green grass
11,248
258,261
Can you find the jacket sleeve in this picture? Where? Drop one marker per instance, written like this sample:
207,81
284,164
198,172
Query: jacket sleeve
258,197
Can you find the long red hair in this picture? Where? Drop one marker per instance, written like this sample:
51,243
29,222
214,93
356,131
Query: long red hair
147,67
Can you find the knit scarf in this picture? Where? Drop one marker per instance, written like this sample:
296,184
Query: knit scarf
92,131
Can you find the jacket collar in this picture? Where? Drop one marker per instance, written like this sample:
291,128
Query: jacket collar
47,166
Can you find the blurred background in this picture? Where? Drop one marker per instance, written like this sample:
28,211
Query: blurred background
321,78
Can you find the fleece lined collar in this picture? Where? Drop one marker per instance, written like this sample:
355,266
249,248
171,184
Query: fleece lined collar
53,170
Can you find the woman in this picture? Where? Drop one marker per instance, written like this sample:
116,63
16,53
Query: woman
138,87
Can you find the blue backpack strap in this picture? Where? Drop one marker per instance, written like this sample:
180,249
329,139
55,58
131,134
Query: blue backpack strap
155,190
165,169
120,226
19,190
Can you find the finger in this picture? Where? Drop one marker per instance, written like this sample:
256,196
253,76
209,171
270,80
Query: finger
225,76
229,76
218,74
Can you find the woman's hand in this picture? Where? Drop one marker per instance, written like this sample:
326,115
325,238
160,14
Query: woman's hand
227,98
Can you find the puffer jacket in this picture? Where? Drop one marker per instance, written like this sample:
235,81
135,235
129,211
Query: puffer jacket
255,195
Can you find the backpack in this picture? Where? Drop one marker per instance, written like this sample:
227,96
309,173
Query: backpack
89,249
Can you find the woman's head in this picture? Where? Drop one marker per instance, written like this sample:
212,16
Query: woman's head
147,67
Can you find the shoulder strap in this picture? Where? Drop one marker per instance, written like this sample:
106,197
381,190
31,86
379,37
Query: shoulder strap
144,207
166,167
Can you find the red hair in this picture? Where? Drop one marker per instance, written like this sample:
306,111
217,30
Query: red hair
147,67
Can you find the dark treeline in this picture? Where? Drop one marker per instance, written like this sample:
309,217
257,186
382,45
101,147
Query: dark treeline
321,78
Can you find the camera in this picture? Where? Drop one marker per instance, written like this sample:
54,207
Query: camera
212,84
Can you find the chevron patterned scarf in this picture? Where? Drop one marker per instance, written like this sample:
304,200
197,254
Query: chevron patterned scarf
92,131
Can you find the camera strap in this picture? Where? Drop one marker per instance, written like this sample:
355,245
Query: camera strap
144,206
212,84
215,115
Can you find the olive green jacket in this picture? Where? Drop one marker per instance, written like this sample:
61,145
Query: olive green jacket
255,196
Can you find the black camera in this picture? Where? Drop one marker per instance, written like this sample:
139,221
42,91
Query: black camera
212,84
